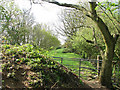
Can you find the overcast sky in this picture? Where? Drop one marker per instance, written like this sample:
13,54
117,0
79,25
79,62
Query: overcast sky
46,13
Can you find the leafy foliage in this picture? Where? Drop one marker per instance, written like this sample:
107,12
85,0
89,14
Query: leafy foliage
37,71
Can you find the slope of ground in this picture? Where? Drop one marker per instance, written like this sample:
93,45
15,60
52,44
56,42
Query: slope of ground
24,67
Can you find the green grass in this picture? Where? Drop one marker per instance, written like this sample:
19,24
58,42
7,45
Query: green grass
58,53
74,62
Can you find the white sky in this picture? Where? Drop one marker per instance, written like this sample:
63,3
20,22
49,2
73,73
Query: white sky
46,13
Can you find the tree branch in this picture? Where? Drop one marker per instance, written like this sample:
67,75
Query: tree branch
110,19
63,4
88,41
102,26
112,14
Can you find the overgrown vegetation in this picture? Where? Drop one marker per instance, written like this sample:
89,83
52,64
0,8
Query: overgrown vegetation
25,67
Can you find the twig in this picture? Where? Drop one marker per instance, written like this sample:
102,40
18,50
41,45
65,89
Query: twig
54,85
110,19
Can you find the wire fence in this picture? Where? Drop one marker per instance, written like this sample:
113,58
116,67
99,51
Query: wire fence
78,64
89,68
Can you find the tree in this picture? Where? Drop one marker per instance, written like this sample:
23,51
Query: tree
109,39
72,20
81,33
15,23
82,46
18,27
8,19
43,37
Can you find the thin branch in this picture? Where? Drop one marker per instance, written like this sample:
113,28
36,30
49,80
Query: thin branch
88,41
110,19
54,85
111,14
95,40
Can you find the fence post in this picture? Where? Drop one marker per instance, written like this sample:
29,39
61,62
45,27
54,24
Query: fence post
98,64
61,60
118,79
79,67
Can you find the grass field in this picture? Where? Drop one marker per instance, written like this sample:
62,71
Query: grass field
58,53
71,63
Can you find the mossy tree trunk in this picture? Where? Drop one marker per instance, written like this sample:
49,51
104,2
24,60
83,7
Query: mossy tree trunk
106,71
110,41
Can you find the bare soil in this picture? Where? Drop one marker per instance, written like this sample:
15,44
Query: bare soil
94,84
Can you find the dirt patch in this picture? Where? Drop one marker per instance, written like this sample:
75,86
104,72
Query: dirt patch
94,84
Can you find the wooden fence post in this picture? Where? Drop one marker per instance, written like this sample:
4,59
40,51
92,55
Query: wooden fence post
98,64
118,79
61,60
79,67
